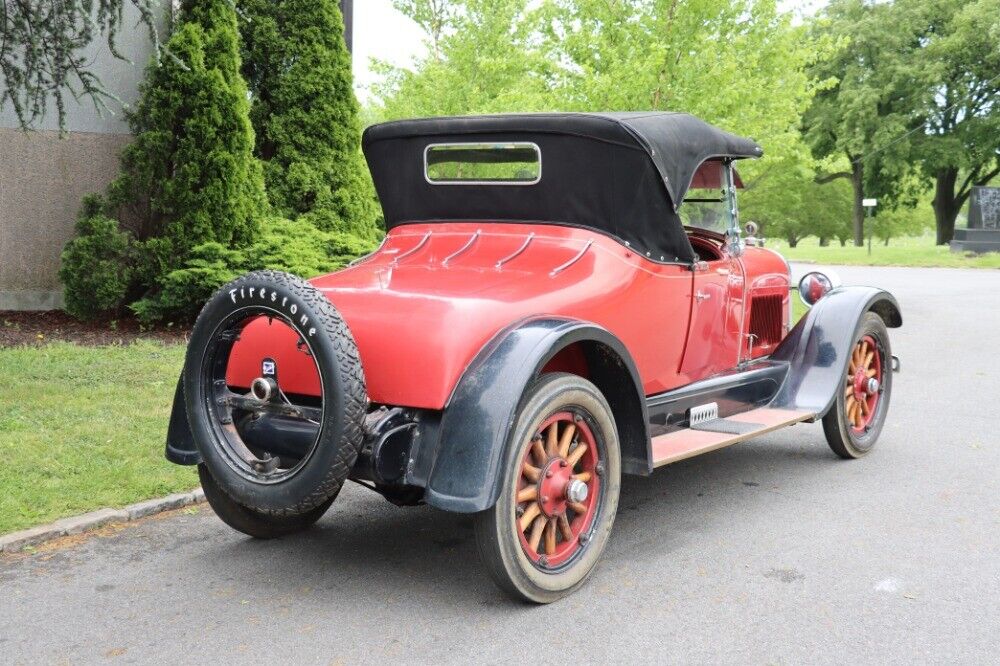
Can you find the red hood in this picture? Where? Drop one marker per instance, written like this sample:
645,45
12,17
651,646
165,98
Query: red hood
427,301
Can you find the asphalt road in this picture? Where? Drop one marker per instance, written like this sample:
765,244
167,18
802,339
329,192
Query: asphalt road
768,552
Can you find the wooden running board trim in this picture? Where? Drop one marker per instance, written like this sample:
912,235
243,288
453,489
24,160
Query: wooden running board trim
688,443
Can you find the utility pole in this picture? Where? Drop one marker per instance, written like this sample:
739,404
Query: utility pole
347,9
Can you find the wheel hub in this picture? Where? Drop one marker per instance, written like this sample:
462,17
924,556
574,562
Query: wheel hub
864,383
552,487
860,385
576,491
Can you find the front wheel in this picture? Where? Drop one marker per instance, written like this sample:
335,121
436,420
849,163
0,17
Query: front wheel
855,421
557,504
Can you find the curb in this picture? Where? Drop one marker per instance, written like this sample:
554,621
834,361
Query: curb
18,541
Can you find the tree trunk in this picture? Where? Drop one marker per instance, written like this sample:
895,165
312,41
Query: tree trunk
843,242
945,205
858,214
792,242
824,242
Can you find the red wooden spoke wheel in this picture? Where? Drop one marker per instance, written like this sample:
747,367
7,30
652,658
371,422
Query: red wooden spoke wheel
864,383
557,502
558,490
854,422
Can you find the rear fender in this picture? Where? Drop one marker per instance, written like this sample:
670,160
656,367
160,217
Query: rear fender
181,448
818,349
465,462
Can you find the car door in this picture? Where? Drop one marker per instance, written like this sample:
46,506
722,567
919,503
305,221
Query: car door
716,317
718,284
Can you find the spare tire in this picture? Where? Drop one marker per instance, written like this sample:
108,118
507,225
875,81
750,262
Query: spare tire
244,470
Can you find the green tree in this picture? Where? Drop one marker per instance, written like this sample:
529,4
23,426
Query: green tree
189,177
304,113
435,17
741,65
788,203
910,219
483,57
856,124
98,264
960,64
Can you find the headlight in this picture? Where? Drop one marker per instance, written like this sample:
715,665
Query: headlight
815,285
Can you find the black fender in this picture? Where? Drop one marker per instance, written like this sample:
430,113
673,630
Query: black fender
181,449
818,349
473,434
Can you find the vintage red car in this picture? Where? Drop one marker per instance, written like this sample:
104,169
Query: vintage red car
543,316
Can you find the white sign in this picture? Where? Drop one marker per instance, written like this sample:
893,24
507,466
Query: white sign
869,203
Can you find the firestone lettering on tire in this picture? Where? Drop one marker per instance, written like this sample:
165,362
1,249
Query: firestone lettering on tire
245,294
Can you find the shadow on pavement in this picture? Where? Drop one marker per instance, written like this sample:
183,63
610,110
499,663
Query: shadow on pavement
365,546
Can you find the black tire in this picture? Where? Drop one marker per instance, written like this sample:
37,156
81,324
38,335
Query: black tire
254,523
320,474
846,441
497,535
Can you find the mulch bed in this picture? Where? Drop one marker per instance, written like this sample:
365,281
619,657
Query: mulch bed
37,328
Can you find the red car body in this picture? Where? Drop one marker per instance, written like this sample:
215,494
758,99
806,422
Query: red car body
424,304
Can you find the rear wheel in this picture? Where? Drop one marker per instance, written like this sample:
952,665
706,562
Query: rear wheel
853,424
557,504
254,523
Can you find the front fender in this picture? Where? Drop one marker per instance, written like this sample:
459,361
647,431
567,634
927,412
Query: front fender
474,431
818,349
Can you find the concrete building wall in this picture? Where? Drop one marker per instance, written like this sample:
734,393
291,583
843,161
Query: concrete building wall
43,177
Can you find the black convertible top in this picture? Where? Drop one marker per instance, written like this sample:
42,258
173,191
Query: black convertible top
624,174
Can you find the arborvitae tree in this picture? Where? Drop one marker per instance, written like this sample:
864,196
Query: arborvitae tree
304,113
190,176
98,264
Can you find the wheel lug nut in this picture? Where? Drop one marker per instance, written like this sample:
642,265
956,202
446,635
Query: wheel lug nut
544,561
548,474
563,463
584,538
519,510
599,469
545,499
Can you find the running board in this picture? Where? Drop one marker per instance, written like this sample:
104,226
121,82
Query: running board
720,433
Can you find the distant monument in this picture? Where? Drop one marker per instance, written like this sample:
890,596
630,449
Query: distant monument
983,234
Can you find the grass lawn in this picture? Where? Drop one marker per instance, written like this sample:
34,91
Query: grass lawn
912,251
83,428
798,308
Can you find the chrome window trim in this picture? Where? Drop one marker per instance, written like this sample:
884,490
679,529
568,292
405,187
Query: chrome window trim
504,183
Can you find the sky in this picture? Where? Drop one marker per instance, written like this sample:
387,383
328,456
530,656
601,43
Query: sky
382,32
